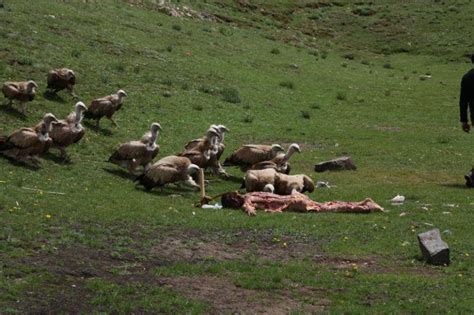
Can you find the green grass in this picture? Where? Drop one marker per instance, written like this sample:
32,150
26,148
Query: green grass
402,132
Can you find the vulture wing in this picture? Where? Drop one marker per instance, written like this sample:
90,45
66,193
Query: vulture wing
23,138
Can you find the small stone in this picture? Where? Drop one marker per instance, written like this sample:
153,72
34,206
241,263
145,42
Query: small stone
434,250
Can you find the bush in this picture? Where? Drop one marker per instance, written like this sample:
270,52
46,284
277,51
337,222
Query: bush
287,84
231,95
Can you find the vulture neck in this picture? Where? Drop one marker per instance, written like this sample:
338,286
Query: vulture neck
153,137
30,88
76,126
288,154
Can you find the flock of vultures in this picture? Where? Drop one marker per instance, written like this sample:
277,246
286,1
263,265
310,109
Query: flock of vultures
266,166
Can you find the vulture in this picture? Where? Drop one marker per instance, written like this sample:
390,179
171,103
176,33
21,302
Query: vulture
201,153
60,79
139,152
250,154
213,161
23,92
289,184
68,131
27,144
257,180
170,169
105,106
279,162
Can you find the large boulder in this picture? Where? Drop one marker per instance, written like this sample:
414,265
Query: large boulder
435,251
339,164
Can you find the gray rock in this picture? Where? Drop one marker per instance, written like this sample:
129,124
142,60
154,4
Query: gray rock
434,250
339,164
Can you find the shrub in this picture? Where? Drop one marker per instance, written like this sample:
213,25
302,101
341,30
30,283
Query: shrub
287,84
231,95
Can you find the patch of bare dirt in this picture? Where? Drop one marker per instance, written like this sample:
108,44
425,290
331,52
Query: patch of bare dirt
226,297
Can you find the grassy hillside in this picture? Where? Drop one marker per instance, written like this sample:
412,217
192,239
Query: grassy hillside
336,77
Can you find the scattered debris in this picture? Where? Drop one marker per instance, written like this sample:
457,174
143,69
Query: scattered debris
214,206
398,200
321,184
425,77
40,191
342,163
434,250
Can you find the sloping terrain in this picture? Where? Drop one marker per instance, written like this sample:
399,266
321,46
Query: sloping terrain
379,82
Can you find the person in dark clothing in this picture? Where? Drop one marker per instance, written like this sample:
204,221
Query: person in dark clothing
466,99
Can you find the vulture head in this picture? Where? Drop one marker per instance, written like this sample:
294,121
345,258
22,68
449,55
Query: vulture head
70,74
294,147
269,188
221,130
192,168
48,119
213,137
31,85
121,93
155,127
277,148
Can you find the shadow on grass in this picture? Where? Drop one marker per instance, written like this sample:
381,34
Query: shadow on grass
120,173
12,111
21,164
56,158
103,131
455,185
53,97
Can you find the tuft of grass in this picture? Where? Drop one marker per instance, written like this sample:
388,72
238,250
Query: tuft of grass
208,89
341,96
316,106
248,119
198,107
288,84
176,27
387,65
167,81
231,95
305,114
275,51
76,53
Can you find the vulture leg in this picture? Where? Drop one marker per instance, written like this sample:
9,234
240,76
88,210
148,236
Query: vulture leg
132,165
70,88
113,121
64,154
23,108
